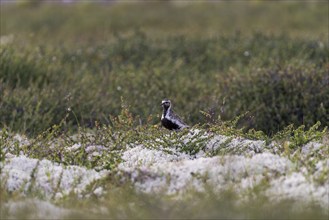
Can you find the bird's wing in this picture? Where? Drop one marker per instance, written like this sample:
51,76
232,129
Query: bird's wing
174,117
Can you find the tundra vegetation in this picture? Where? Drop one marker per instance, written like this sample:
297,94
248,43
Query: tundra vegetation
80,93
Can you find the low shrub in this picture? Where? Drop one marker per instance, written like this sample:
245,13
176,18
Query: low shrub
39,85
276,97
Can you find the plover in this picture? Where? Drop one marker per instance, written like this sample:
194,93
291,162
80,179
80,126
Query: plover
169,119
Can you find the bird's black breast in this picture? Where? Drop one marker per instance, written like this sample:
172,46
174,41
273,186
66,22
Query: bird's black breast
169,124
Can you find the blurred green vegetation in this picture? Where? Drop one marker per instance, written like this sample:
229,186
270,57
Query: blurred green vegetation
226,58
125,203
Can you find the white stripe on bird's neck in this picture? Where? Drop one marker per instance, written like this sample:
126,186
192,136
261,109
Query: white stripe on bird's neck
165,113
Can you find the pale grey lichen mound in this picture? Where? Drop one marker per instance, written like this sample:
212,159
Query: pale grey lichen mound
49,179
295,186
246,165
220,172
35,209
222,163
16,173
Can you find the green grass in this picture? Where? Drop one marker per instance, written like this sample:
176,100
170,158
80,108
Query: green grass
261,65
126,203
71,25
223,58
121,200
124,132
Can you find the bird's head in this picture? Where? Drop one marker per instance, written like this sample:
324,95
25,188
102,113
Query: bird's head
166,103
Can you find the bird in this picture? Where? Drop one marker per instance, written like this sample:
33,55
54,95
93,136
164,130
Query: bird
169,119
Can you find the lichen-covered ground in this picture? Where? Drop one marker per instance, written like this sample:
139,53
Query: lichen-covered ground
250,169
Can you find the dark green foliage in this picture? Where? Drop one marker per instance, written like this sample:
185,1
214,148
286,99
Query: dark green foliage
56,144
276,97
87,63
91,81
